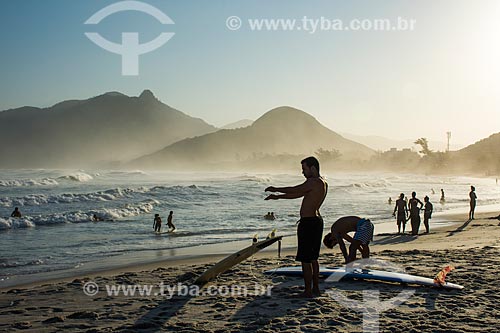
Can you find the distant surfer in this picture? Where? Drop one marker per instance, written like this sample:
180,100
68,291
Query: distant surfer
96,218
473,198
428,208
363,229
157,223
402,212
415,212
16,213
170,225
310,228
442,200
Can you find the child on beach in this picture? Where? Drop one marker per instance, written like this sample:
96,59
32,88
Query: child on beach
157,223
169,221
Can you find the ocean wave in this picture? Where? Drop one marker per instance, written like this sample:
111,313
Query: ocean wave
42,199
77,177
28,182
11,264
253,178
106,215
15,223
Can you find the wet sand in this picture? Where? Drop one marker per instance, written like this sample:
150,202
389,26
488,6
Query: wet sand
472,247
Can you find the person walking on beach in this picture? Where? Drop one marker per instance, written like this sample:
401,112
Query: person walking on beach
402,209
363,229
16,213
170,225
427,213
442,200
310,228
415,213
473,197
157,223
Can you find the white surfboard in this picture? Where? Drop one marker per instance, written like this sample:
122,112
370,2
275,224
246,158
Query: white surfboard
366,274
235,259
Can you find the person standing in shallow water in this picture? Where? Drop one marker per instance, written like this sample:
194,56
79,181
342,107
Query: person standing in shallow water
157,223
310,228
473,197
170,224
415,213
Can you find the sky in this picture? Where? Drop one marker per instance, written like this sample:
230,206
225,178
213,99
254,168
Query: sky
444,75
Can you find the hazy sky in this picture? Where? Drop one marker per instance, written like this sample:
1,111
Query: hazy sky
442,76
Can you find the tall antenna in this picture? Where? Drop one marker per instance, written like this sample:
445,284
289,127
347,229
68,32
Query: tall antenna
448,134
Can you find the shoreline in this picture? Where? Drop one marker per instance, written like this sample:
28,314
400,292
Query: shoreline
472,247
211,253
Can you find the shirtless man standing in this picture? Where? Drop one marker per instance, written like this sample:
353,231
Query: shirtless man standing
310,228
401,209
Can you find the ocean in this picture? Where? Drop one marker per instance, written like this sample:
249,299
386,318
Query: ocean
56,232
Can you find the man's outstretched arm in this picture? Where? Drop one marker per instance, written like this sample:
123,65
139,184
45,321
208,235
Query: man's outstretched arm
284,196
301,189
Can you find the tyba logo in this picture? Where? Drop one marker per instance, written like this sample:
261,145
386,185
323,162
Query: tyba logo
130,49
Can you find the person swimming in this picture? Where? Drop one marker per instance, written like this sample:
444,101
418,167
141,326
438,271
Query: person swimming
16,213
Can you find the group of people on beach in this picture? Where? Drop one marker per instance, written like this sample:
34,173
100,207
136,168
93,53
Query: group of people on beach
157,222
410,210
406,210
310,226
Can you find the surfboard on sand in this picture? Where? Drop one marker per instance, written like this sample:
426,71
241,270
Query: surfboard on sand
235,259
366,274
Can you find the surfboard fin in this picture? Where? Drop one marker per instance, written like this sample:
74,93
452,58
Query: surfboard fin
441,276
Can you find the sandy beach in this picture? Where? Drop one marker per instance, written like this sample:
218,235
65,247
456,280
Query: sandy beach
472,247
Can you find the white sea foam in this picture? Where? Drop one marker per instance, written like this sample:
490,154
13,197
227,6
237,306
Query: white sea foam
106,214
77,177
28,182
42,199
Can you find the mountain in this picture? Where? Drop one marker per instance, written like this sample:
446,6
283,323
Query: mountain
92,132
284,130
483,156
238,124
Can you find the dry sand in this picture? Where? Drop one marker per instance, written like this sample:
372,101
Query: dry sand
473,248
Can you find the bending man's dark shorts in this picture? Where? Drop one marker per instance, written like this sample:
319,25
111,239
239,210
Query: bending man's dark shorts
309,236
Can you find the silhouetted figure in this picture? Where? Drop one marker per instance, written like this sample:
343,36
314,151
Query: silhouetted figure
310,227
169,221
473,197
402,209
442,200
432,191
157,223
273,217
16,213
428,208
389,201
363,229
268,216
96,218
415,212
